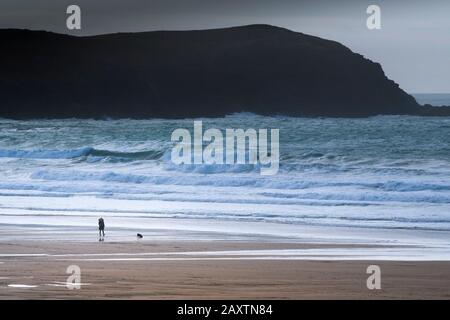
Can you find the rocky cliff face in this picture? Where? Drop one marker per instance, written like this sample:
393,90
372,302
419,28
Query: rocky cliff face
257,68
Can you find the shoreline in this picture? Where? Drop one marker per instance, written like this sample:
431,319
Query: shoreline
208,270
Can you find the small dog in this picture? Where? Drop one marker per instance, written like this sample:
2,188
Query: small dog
139,236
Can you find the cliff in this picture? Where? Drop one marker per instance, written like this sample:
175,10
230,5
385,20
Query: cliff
257,68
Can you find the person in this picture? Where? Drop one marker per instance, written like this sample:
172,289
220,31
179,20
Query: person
101,228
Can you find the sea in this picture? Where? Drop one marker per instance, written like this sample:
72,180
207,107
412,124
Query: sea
383,180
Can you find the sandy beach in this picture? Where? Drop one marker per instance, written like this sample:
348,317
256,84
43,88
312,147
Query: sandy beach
349,193
206,270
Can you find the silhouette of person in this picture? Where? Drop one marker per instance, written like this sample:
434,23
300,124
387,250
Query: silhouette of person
101,228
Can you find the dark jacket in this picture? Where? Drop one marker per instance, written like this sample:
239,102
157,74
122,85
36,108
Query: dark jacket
101,224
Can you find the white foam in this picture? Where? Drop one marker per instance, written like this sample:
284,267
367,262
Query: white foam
66,284
22,286
375,254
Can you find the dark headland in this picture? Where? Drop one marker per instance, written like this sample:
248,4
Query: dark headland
258,68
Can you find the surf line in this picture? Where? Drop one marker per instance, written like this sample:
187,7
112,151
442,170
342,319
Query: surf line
241,147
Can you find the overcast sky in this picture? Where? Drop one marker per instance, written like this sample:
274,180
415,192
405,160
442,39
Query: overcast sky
413,44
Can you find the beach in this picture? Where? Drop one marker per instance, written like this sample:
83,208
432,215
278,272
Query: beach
341,201
206,270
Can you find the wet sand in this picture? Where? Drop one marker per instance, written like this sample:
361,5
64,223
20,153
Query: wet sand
204,270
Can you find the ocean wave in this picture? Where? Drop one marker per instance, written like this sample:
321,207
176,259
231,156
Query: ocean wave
138,155
307,162
127,191
46,154
81,152
213,168
253,181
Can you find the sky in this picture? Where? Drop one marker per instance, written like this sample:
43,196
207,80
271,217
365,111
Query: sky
413,44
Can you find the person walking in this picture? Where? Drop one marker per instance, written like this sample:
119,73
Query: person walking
101,228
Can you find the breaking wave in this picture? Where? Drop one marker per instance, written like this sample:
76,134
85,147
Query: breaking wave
81,152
